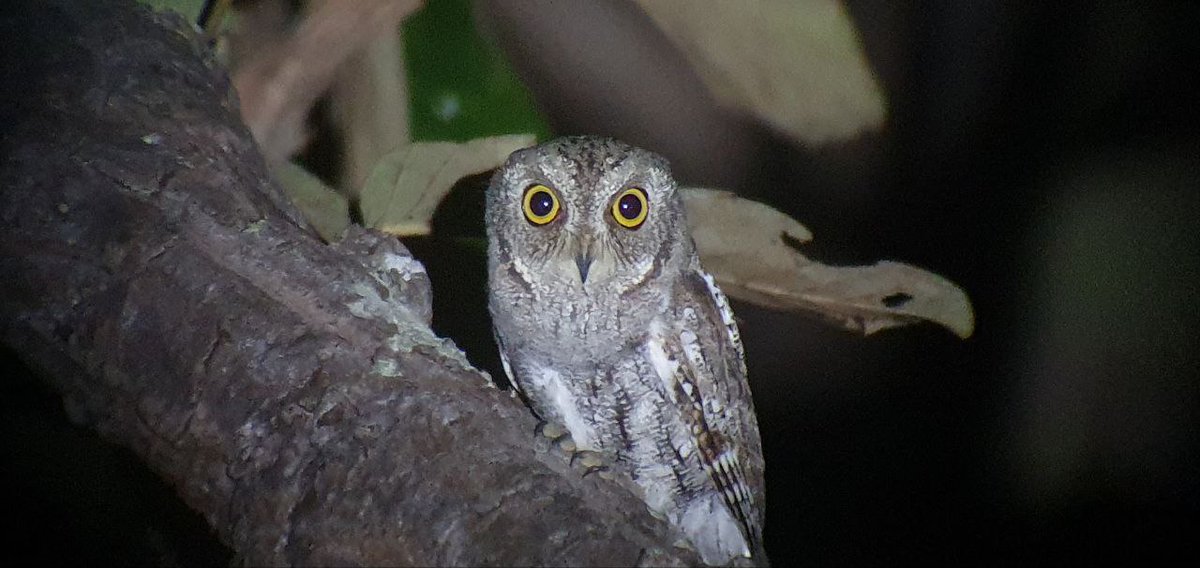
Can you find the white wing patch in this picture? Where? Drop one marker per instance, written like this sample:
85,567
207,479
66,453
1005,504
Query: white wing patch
713,523
550,382
504,361
664,366
713,531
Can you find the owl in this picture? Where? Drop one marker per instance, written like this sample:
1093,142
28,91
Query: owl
608,326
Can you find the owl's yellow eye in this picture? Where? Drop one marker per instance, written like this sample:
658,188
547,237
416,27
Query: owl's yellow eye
630,208
540,204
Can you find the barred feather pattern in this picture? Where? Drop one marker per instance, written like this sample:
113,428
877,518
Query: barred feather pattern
616,333
720,433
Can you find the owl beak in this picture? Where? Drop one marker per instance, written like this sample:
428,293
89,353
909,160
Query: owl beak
583,261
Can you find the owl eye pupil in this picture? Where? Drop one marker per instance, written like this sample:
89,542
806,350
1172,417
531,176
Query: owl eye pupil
541,203
630,206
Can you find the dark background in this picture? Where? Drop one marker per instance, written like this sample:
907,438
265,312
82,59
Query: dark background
1044,157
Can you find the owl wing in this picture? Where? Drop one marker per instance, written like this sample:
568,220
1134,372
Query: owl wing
702,364
519,388
508,372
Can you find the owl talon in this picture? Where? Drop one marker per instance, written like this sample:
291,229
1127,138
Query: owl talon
549,434
566,444
549,430
588,459
592,462
601,471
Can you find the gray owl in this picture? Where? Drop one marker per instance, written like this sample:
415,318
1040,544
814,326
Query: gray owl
608,326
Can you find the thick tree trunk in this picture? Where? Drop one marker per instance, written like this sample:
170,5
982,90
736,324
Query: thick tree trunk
290,391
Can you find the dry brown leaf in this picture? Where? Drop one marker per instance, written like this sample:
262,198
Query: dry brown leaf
798,65
407,185
750,249
369,101
279,84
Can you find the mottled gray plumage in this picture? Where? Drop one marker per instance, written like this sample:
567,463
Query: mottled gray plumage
619,335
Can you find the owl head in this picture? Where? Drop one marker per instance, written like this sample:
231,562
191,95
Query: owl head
584,211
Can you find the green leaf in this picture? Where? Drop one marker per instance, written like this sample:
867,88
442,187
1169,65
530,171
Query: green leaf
460,86
326,210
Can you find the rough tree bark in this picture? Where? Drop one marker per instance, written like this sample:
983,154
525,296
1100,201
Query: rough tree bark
290,391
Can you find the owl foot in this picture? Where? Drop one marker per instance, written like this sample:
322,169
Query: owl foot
593,463
549,434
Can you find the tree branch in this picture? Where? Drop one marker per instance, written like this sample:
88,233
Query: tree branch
291,391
